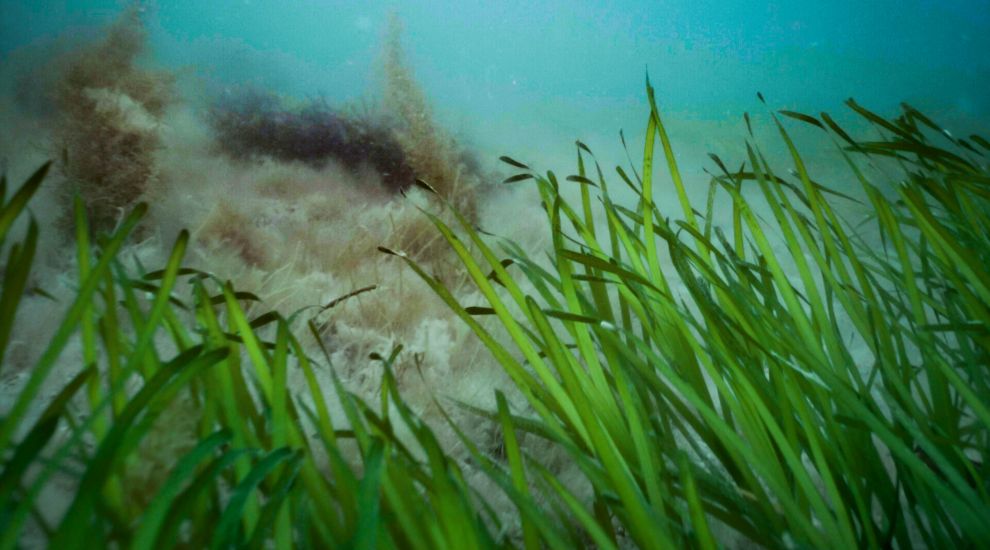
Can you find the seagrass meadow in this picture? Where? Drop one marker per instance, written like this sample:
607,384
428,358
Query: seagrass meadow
245,319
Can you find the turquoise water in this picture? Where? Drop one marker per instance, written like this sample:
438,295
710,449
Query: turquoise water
520,77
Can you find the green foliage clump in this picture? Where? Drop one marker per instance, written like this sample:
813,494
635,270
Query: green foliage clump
712,396
264,465
720,387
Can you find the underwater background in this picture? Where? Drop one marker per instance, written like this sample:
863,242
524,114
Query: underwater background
283,141
519,77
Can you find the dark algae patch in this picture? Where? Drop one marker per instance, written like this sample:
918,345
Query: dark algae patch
251,124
